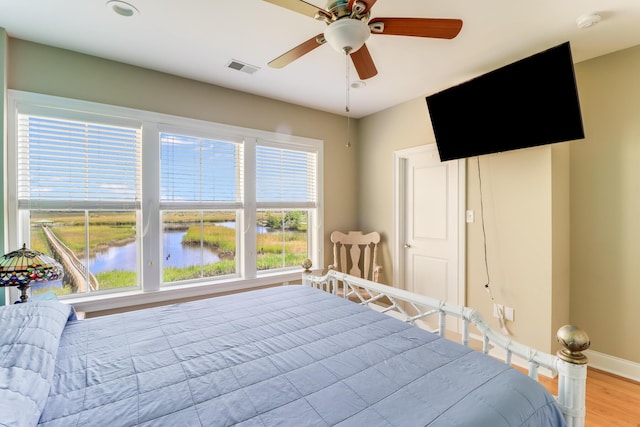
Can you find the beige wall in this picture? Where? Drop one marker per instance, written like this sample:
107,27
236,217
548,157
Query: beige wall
560,238
3,103
407,125
566,213
42,69
517,189
605,205
517,193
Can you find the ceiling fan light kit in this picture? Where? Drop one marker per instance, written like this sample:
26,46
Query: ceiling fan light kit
347,35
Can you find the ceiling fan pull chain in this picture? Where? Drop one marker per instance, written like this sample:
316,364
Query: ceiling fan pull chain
346,108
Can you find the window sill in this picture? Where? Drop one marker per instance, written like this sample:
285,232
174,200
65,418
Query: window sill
170,294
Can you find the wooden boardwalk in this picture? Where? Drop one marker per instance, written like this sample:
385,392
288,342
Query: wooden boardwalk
72,266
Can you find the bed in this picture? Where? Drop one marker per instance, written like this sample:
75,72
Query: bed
293,355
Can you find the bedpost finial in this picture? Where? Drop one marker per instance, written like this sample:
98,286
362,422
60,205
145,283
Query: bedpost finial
574,341
306,264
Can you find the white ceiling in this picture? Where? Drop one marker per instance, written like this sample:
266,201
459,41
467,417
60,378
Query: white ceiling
198,38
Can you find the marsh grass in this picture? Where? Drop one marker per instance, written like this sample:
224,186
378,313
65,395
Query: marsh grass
217,237
220,268
271,261
101,237
117,279
109,229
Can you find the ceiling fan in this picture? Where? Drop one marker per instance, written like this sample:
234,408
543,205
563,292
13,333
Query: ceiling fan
349,27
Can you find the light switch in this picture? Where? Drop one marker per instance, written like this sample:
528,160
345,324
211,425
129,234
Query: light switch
470,217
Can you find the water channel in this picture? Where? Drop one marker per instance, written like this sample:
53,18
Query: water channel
175,254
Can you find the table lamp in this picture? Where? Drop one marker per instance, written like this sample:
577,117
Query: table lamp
23,266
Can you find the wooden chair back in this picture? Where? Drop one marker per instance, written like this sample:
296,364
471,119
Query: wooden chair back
356,253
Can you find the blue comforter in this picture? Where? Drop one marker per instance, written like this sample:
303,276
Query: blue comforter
285,356
29,338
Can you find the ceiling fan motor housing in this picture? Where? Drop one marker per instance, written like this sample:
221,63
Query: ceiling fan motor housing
338,8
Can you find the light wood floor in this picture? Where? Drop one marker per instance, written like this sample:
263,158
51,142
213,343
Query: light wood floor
612,401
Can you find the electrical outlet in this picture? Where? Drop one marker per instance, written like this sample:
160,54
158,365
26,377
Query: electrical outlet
508,312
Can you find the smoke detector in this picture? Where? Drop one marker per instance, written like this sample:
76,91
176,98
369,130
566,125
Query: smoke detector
588,20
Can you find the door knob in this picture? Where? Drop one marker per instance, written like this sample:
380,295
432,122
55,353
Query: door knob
407,246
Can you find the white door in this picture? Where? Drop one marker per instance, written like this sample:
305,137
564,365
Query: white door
430,224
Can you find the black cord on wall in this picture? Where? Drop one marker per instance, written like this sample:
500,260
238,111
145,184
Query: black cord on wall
487,286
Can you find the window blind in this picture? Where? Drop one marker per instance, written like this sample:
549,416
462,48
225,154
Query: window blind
285,177
65,164
200,172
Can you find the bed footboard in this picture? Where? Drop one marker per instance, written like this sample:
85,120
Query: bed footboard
569,363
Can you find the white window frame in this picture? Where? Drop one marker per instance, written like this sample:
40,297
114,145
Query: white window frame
150,264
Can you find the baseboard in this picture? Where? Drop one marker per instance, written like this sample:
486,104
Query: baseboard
603,362
614,365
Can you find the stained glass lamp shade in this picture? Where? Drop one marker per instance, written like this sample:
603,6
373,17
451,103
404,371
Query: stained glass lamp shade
20,268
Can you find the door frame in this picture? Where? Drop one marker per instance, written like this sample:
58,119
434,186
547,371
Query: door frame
400,158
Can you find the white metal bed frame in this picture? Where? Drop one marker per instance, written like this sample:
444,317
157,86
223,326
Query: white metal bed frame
569,363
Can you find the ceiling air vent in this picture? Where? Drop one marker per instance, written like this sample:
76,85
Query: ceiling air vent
241,66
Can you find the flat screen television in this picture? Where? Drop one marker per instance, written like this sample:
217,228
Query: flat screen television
528,103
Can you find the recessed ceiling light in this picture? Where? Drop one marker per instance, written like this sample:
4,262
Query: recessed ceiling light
122,8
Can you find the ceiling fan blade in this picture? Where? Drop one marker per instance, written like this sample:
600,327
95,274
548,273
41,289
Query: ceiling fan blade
363,62
298,6
369,4
298,51
417,27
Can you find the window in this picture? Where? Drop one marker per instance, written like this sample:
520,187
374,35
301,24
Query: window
282,239
200,201
78,187
286,188
133,200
